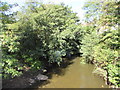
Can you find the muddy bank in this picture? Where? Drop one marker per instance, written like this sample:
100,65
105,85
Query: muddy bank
27,80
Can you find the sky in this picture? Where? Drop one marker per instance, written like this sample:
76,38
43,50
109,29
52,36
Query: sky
75,4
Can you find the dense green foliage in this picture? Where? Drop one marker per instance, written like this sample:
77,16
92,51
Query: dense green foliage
100,43
10,65
42,36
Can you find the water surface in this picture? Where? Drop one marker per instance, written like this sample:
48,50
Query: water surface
76,75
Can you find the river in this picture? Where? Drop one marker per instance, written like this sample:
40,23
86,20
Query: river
75,75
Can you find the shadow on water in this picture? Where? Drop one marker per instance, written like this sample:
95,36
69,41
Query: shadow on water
61,70
57,70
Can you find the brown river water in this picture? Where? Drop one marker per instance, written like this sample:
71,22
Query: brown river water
75,75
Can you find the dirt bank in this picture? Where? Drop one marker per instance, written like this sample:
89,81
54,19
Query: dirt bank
28,79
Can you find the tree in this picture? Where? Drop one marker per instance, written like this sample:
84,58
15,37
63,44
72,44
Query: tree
41,36
104,52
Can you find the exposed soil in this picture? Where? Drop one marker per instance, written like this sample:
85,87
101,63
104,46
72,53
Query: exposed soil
27,80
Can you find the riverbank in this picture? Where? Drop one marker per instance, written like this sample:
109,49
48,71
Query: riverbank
71,74
103,74
27,80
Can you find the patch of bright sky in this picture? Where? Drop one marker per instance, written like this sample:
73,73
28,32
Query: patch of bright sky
75,4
